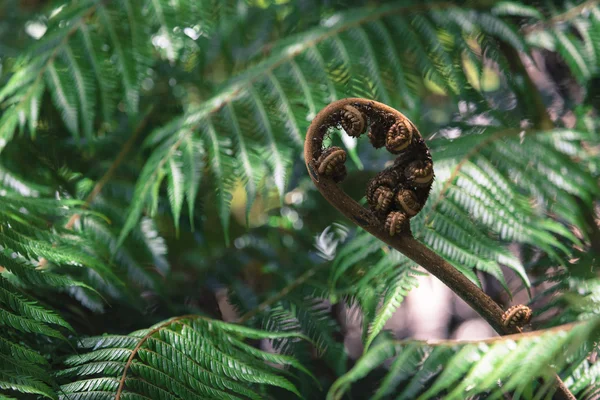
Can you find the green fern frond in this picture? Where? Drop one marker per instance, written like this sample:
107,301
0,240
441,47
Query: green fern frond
190,356
252,115
24,370
574,37
582,381
398,289
376,278
27,308
311,316
85,45
83,261
456,370
477,191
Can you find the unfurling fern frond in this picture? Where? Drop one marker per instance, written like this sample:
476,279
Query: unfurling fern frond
457,370
237,83
184,357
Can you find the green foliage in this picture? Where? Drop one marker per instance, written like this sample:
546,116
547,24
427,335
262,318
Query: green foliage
496,367
488,180
187,357
134,136
252,115
24,369
376,278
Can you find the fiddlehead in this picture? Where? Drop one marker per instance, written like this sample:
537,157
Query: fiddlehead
516,316
352,120
395,195
331,163
399,136
398,193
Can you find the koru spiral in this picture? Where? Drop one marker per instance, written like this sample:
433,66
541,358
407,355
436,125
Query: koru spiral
517,316
394,195
397,193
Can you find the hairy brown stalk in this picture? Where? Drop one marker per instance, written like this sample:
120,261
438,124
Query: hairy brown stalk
388,218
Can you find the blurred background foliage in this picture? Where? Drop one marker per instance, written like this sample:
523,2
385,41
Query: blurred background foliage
151,170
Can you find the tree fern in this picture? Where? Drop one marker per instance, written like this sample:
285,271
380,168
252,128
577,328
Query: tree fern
75,260
74,50
190,356
582,381
206,104
477,193
25,370
286,70
456,370
300,306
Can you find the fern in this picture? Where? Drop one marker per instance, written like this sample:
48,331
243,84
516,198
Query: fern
188,356
374,277
25,370
83,261
281,80
477,192
74,50
425,370
115,243
582,381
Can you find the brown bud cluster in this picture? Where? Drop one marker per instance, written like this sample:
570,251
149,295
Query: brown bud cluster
399,192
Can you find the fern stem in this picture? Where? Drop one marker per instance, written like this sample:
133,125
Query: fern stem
141,343
405,243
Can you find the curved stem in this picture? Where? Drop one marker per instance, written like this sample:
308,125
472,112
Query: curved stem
138,346
418,252
404,243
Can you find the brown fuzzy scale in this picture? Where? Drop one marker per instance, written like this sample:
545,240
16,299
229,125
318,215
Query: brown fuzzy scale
516,316
399,137
396,222
379,124
376,137
420,173
407,201
331,163
353,121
